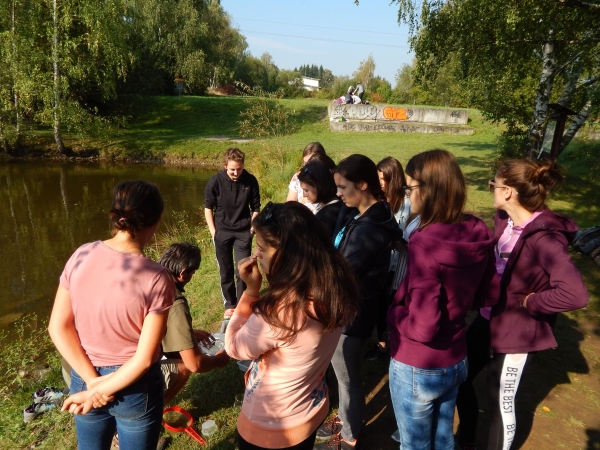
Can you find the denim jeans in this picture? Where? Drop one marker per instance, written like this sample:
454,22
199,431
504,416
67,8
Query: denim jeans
135,413
424,401
346,363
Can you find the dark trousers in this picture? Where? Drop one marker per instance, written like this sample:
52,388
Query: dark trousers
504,377
478,354
228,244
306,444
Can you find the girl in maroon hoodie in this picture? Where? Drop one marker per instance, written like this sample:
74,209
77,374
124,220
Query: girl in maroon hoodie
450,270
538,280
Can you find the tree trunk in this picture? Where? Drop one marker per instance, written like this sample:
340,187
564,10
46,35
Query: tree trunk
14,74
544,90
571,86
3,138
60,146
575,125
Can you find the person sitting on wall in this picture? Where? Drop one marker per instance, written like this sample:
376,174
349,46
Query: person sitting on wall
348,97
180,343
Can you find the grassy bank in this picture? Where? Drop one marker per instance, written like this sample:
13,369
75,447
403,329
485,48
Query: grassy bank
176,130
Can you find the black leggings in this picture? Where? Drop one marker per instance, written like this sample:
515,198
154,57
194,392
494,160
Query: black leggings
306,444
478,354
504,376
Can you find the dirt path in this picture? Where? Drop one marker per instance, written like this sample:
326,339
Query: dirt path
558,406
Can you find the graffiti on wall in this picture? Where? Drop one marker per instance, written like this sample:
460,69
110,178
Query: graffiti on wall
355,112
396,113
455,114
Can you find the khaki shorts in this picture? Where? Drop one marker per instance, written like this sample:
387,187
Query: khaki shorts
169,371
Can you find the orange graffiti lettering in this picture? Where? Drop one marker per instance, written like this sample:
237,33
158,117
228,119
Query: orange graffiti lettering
392,113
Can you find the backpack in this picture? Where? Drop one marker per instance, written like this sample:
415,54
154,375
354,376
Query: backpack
587,240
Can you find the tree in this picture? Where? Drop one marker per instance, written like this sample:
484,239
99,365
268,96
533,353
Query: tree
365,71
513,56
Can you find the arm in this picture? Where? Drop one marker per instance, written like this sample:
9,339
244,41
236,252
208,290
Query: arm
420,320
488,292
197,362
567,290
153,330
292,196
210,221
64,335
361,248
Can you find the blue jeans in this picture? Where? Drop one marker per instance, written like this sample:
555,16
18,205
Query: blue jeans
424,401
135,413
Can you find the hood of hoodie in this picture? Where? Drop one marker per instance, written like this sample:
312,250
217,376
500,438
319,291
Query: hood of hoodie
456,245
547,220
380,214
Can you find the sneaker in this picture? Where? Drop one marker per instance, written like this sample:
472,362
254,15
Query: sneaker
36,409
48,395
329,429
228,313
338,443
377,352
396,436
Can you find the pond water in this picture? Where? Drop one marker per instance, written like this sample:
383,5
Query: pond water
50,209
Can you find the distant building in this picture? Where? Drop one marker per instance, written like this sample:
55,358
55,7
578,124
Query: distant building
310,84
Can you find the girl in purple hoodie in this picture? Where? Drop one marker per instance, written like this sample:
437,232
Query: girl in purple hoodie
450,270
538,280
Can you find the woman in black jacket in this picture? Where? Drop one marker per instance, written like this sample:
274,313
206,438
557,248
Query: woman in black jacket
365,240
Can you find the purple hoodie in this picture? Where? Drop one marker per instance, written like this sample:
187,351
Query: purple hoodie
539,263
450,270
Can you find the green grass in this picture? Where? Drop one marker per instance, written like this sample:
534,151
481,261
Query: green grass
175,130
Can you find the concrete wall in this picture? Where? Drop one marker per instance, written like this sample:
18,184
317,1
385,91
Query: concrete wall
397,127
391,113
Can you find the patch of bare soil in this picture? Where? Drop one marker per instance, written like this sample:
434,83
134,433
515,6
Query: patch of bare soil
558,403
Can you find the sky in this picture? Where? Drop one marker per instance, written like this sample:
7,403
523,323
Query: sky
336,34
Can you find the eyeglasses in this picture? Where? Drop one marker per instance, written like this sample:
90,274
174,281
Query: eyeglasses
492,185
407,189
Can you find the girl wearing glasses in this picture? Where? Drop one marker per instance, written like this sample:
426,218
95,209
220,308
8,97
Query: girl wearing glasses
291,330
450,270
538,280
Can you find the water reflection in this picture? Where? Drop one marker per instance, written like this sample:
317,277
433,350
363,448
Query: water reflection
49,209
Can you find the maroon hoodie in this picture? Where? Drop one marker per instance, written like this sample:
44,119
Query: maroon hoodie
539,263
450,270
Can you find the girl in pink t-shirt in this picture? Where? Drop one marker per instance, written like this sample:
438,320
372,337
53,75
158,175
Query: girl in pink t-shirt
107,322
292,330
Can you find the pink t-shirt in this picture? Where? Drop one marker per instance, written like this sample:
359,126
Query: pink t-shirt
286,396
111,294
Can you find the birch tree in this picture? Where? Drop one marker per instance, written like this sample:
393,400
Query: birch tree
516,57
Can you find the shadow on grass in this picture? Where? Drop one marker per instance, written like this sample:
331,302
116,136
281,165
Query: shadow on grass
593,439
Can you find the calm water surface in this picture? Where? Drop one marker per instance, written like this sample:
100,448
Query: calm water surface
47,210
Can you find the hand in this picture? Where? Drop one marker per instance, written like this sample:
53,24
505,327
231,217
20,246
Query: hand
221,359
80,403
524,303
212,232
201,335
249,273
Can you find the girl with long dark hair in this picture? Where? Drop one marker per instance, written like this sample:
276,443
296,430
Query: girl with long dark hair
319,188
291,331
365,240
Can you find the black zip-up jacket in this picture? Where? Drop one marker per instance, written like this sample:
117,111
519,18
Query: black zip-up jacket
233,202
367,245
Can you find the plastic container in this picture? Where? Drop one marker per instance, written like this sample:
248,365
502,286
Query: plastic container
215,346
209,428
